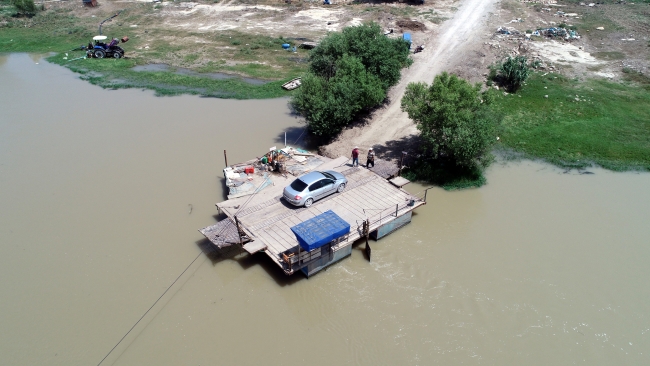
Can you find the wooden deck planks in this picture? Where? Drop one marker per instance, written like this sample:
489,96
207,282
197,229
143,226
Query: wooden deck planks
275,243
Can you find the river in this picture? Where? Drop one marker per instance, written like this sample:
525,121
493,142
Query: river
538,267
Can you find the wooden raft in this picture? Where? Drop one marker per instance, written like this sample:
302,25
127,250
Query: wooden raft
367,196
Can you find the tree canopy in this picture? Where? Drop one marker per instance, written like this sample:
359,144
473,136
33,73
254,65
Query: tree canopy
454,118
349,72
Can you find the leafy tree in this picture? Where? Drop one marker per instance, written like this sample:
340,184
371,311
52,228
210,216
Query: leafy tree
349,71
455,120
24,6
513,72
330,104
382,56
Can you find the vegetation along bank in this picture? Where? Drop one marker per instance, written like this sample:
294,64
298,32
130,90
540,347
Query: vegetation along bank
566,113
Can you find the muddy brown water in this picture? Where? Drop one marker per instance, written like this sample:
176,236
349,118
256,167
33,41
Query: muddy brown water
536,268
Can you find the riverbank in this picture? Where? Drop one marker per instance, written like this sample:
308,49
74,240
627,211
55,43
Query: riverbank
245,41
232,37
577,124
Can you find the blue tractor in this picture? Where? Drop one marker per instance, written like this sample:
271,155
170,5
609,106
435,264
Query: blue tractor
100,49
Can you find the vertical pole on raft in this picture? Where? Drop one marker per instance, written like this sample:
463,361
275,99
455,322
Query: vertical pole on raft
225,156
366,233
238,230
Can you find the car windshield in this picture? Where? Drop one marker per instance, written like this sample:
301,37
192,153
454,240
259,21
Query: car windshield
298,185
328,175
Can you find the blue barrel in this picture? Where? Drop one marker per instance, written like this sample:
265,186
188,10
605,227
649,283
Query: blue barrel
286,46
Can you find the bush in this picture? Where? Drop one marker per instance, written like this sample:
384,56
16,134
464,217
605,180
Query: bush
349,72
456,122
513,72
330,104
24,6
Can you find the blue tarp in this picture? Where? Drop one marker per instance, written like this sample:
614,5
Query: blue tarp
320,230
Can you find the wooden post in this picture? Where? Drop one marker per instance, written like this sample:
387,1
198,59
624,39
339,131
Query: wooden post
366,233
225,157
238,230
401,164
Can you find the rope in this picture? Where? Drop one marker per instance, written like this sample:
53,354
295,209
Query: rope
146,312
303,132
176,280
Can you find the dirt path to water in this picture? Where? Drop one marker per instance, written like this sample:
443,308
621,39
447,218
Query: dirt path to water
389,127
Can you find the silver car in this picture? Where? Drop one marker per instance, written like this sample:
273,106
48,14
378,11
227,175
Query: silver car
314,186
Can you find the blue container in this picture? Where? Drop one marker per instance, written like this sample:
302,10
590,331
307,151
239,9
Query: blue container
407,38
320,230
286,46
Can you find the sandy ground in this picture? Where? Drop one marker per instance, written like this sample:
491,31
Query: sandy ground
469,42
389,130
466,43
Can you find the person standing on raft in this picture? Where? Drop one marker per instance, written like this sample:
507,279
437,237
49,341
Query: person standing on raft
371,158
355,156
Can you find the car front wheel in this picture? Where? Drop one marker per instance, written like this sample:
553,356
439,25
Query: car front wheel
341,188
309,202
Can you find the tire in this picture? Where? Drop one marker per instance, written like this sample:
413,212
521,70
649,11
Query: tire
117,55
89,54
99,54
309,202
341,188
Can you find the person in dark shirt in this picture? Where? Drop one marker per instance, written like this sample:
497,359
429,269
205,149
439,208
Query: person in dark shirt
371,158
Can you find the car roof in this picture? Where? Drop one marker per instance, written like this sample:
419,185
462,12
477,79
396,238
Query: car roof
312,177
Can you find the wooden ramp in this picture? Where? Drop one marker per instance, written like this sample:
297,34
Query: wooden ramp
222,234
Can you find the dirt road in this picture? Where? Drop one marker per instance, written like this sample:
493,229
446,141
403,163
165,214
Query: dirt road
388,128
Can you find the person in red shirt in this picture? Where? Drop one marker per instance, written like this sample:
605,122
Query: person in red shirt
355,156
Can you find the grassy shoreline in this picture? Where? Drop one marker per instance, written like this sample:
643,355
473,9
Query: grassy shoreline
55,31
577,124
581,123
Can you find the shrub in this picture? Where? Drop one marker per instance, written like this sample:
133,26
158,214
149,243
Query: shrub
24,6
330,104
349,71
513,72
455,120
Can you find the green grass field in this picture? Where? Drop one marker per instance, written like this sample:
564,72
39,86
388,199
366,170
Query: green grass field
580,123
254,56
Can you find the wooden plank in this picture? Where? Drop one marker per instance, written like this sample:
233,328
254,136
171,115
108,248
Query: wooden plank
285,232
283,245
399,181
254,246
273,242
370,203
289,241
